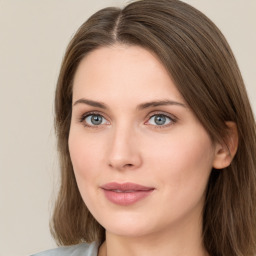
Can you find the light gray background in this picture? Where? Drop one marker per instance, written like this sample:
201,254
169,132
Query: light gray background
34,34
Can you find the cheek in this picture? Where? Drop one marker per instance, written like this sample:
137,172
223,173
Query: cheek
184,160
181,165
85,155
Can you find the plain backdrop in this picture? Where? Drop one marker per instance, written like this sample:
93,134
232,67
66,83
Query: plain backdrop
33,38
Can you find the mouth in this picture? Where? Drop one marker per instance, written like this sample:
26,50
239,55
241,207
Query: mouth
126,193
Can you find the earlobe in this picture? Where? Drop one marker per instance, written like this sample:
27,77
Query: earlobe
226,150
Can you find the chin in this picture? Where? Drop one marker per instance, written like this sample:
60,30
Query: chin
129,226
128,230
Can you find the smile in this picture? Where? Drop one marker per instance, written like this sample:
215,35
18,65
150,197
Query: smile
126,193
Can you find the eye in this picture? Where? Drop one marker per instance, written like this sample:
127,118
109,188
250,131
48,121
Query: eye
94,120
160,120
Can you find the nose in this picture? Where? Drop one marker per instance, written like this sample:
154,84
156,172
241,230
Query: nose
124,153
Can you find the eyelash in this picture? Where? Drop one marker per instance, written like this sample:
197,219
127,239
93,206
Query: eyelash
172,119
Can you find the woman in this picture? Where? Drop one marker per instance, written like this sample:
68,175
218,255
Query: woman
156,138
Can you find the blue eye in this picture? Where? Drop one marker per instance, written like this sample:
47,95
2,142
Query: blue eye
94,120
160,120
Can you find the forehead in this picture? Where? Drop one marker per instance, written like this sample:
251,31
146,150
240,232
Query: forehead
122,71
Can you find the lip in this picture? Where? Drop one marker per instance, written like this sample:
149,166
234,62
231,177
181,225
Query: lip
125,193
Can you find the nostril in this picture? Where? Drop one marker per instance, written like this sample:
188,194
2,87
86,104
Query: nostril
128,165
124,160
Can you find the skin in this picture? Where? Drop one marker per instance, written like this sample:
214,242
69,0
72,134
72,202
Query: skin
175,158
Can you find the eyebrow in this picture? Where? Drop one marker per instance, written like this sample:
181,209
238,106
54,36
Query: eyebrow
91,103
139,107
160,103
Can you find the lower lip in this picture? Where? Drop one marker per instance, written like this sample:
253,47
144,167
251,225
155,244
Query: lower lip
126,198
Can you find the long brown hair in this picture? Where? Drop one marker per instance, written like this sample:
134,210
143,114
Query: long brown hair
202,65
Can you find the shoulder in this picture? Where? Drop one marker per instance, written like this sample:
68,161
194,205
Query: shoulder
83,249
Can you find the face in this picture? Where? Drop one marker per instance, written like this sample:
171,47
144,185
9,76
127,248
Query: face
140,156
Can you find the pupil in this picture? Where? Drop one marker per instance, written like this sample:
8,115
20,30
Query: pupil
96,119
160,120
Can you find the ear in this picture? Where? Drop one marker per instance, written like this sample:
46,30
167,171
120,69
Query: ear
226,150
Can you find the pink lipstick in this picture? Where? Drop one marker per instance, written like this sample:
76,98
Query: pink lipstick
125,193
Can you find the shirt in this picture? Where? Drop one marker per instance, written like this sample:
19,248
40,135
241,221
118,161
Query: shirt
83,249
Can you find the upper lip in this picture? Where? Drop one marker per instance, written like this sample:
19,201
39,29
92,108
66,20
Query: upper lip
125,187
